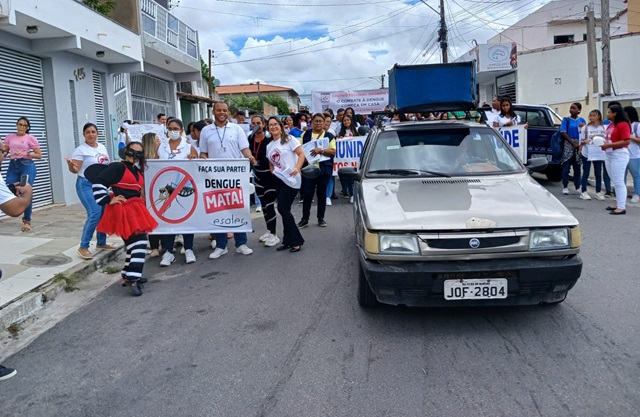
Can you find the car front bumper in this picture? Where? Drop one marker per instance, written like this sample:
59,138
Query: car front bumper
421,284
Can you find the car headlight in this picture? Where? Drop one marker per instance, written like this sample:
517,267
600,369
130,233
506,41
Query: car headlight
399,244
548,239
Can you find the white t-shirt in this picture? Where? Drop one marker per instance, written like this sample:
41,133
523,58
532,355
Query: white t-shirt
90,155
492,116
504,120
5,193
634,148
223,142
181,152
589,132
284,159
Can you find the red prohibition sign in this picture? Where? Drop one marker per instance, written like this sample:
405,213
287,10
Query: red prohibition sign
176,192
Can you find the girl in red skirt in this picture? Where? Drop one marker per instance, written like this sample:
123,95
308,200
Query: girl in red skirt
126,214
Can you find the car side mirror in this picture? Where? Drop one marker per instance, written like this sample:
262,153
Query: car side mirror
536,164
349,173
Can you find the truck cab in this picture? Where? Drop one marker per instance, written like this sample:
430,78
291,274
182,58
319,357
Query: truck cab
543,123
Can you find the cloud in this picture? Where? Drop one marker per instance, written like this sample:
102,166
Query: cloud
326,46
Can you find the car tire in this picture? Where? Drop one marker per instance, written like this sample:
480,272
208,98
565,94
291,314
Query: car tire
554,172
366,297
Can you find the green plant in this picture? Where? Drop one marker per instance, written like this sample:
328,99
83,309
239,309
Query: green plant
277,101
14,330
204,68
67,282
101,6
111,270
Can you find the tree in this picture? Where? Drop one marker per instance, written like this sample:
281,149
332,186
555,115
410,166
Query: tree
100,6
277,101
244,102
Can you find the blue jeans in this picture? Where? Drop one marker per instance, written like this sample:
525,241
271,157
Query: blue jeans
634,169
222,240
607,179
17,167
94,213
332,182
573,162
597,171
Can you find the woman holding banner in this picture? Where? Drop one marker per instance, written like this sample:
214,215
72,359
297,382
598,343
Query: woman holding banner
285,161
176,148
347,130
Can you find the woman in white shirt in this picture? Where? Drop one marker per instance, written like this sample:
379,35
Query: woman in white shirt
507,116
634,152
176,148
285,161
89,153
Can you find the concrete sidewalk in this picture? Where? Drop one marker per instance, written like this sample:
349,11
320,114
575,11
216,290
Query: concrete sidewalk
29,260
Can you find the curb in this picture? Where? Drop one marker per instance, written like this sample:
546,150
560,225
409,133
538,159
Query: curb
24,307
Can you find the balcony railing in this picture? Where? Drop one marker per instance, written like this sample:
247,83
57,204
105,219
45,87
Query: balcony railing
159,23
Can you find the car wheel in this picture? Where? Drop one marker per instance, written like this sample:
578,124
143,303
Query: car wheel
366,297
554,172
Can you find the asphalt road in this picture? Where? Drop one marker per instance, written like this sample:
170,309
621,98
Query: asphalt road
280,334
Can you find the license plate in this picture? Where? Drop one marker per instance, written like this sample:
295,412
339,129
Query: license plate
475,289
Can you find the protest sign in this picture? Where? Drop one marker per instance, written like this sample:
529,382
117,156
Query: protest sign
348,153
136,132
362,101
199,195
517,138
311,145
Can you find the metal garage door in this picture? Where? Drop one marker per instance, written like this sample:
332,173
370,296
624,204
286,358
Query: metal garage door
21,95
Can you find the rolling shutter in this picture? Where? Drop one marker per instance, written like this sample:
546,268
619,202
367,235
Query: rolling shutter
21,95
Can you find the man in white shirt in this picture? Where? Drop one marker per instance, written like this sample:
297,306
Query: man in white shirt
492,115
223,139
13,205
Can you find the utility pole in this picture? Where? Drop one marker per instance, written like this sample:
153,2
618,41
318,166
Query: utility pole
382,81
442,34
260,97
592,57
606,48
209,79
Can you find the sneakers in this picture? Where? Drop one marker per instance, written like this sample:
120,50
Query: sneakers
154,253
635,199
265,236
351,199
182,250
608,194
106,247
84,253
272,241
167,259
244,249
189,256
259,209
322,223
565,191
585,196
600,196
302,224
328,201
578,190
6,373
217,253
135,287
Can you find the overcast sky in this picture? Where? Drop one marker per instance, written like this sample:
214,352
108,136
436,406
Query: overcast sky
336,44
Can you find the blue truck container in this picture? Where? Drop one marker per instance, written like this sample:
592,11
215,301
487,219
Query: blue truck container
433,87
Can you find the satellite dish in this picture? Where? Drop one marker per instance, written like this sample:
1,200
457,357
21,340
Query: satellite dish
216,82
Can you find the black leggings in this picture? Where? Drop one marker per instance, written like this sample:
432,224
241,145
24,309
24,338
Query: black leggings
286,196
136,246
266,191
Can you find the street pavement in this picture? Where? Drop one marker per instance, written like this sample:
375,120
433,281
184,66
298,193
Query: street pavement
281,334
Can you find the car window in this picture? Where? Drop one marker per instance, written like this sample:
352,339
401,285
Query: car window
537,118
447,151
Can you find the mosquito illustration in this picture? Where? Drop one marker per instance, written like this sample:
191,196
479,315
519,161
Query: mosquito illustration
167,190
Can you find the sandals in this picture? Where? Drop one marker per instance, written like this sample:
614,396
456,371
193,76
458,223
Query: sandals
26,226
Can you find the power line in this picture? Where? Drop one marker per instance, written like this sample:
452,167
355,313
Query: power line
255,3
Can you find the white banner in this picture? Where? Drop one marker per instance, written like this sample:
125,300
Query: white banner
517,138
136,132
348,153
497,56
199,195
362,101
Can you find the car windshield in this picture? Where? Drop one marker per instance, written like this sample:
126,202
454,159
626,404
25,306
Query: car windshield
444,152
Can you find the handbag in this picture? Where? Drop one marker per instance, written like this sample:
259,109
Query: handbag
557,144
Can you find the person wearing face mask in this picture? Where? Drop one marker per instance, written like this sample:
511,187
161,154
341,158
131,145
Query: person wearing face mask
118,187
176,148
265,182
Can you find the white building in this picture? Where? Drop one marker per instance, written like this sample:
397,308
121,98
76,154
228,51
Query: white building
64,64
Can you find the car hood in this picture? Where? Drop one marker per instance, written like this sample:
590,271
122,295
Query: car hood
412,204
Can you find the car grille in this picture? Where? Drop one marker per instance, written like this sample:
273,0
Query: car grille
488,242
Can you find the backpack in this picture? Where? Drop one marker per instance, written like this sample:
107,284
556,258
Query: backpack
557,145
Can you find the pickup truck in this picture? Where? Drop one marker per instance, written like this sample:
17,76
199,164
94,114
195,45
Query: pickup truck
543,123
